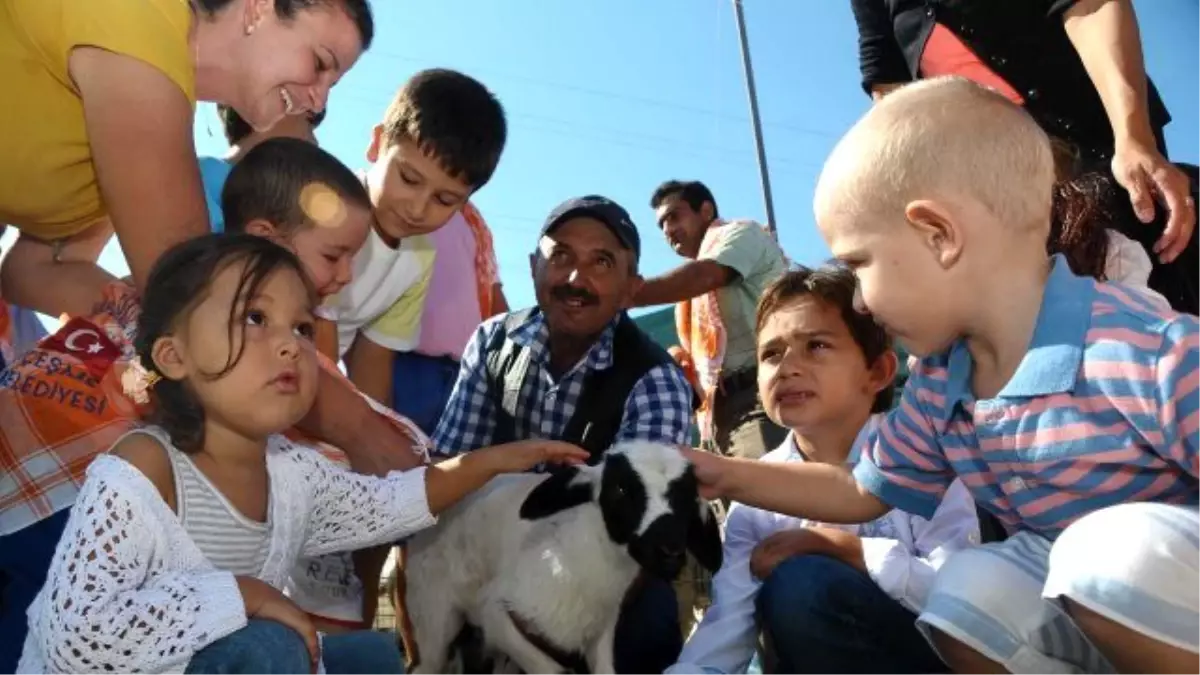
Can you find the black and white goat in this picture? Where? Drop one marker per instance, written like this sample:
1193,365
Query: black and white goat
547,559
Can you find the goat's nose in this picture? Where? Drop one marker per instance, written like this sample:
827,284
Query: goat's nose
670,550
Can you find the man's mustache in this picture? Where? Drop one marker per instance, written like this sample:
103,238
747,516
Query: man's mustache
565,292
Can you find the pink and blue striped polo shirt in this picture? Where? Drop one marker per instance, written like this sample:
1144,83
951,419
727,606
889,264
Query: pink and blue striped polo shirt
1101,411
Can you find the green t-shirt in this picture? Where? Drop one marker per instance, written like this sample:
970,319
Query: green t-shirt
748,249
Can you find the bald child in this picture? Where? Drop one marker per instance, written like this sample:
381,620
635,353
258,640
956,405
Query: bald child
1067,406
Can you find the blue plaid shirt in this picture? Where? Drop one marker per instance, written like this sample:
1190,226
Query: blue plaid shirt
659,407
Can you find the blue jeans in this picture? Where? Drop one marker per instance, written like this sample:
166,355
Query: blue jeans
820,615
421,387
648,638
25,557
270,647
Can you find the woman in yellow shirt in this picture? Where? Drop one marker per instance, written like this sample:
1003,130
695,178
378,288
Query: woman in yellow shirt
96,131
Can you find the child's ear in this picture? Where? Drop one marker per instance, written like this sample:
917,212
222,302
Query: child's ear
376,144
938,230
882,373
261,227
168,358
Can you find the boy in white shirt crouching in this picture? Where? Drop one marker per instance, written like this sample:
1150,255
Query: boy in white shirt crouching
825,598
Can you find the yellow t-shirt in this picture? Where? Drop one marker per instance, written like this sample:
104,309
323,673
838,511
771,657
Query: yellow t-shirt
48,185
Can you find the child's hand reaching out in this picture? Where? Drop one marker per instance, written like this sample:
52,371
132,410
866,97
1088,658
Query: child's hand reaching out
264,601
451,480
525,455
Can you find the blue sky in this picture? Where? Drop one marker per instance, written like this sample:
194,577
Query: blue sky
615,96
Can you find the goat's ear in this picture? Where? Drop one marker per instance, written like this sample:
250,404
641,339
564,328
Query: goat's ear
704,537
559,492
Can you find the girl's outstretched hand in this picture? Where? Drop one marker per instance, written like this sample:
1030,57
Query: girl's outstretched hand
525,455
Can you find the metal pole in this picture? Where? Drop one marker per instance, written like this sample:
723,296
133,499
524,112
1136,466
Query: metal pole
763,174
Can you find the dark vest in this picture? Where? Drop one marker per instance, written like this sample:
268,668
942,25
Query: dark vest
597,417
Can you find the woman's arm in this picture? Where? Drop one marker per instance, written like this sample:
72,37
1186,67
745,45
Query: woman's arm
139,125
342,417
1105,33
880,60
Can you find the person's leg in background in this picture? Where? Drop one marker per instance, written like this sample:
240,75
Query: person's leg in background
648,638
820,615
421,386
742,428
25,557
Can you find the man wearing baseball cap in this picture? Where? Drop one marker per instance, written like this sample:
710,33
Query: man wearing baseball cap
576,368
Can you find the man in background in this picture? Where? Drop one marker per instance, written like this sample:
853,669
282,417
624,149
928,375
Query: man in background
715,294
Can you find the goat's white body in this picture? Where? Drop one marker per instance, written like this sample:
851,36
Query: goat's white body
561,575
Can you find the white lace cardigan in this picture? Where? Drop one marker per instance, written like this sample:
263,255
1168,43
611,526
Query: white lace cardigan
129,591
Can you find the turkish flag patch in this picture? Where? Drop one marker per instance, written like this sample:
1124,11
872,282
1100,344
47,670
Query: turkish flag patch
87,342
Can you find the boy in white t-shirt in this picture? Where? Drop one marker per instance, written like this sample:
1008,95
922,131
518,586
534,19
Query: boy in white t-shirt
439,142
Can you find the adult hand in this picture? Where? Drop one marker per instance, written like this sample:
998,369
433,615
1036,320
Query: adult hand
1143,172
264,601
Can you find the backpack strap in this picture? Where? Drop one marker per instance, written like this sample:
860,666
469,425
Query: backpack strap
601,406
505,368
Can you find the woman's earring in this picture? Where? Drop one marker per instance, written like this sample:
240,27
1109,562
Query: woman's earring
249,29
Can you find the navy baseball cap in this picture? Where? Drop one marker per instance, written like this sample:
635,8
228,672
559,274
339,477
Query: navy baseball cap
602,209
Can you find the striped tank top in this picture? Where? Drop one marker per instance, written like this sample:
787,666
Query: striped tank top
231,541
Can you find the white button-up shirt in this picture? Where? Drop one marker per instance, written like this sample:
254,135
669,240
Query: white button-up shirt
902,553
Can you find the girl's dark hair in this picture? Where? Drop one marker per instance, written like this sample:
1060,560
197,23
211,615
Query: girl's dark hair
359,12
178,282
835,284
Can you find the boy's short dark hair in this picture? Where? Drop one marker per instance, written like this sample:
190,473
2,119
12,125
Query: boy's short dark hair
693,192
267,183
454,119
237,129
834,284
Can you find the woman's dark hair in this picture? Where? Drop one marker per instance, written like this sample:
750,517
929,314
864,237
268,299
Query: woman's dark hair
1083,206
834,284
269,183
359,12
1082,209
237,129
178,282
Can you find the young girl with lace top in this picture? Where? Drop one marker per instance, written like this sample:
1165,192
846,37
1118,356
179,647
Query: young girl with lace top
182,536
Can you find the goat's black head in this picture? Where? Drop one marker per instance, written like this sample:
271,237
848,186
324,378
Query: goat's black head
648,496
